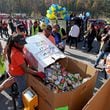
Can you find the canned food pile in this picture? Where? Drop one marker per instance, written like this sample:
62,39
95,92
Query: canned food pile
59,80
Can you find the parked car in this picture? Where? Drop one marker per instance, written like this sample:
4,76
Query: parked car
98,22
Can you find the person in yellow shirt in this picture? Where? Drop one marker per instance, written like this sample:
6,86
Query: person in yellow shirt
35,28
2,64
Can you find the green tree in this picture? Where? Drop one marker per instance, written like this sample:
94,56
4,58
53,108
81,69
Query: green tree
96,7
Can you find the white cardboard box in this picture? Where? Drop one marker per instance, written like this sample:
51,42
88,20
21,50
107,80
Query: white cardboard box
43,51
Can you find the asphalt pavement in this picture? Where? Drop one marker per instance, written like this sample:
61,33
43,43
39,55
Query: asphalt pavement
80,54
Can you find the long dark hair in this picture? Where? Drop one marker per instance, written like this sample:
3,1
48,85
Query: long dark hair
11,44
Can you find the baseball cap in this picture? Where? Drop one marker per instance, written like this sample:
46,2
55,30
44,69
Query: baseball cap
19,39
20,27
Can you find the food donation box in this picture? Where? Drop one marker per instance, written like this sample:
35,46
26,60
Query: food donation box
101,100
69,83
58,94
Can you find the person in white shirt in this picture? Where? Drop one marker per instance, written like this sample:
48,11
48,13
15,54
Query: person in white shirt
74,34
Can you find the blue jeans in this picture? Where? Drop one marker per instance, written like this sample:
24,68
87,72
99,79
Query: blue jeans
21,83
102,54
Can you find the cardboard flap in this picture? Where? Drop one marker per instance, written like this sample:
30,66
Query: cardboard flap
43,50
74,66
101,100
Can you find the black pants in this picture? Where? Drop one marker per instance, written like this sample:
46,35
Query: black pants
73,40
5,32
90,44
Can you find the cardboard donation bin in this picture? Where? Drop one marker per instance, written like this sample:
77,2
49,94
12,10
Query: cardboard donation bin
74,99
101,100
40,52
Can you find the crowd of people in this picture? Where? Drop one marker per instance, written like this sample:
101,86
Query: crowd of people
94,31
88,30
13,52
7,25
20,29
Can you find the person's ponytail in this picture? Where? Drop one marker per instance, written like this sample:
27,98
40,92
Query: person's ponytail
9,47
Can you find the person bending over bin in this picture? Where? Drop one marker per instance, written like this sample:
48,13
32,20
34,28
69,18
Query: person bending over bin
17,65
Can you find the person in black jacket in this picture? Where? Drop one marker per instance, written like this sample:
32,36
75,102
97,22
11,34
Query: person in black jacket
90,37
12,27
105,49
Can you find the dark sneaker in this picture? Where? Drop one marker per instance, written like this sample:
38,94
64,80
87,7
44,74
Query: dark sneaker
95,66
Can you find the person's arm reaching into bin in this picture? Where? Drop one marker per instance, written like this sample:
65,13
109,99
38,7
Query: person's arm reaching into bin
31,71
